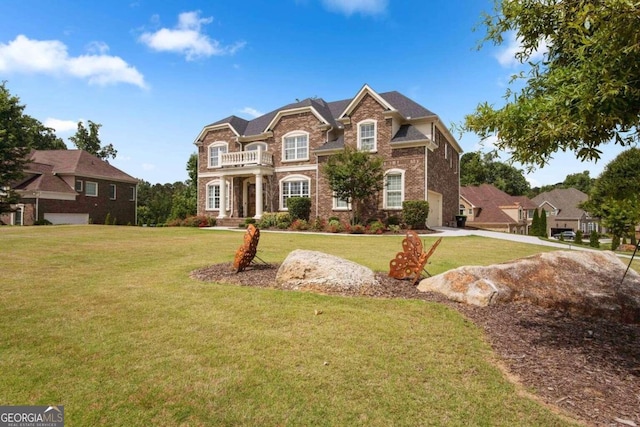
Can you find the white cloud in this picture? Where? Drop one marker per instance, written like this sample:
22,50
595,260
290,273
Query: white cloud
188,39
507,55
364,7
148,166
61,126
252,112
24,55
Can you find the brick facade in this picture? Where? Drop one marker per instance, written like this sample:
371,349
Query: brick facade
426,167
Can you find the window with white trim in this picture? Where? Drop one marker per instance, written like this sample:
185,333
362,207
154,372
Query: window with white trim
79,185
340,204
367,136
462,209
112,191
293,186
91,189
213,196
295,146
216,150
132,194
393,189
254,146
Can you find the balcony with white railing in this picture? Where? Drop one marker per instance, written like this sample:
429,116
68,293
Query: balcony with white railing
246,158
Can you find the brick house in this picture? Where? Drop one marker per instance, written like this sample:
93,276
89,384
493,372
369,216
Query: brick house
72,187
262,162
489,208
562,207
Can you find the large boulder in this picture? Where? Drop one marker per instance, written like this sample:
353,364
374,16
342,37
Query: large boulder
577,281
319,272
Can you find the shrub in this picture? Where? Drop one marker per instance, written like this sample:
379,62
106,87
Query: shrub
176,222
248,221
283,225
299,225
594,240
415,213
42,222
283,218
299,207
192,221
578,238
376,227
269,219
334,226
395,229
615,242
357,229
333,218
107,219
393,220
318,224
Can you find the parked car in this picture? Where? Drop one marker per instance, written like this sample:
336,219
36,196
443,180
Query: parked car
566,235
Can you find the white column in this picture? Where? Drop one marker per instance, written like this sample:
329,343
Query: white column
223,197
259,202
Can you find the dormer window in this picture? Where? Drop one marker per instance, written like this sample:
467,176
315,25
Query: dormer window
367,136
215,154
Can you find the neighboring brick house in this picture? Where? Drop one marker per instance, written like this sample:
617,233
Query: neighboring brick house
264,161
72,187
563,212
490,208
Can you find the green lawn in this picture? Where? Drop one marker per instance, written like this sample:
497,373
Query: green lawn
105,321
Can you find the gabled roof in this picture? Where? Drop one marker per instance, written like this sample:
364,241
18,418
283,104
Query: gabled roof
408,133
326,112
76,163
565,200
490,201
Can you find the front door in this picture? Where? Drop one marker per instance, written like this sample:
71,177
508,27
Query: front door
251,200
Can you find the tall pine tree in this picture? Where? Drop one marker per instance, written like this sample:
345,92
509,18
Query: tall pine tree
535,223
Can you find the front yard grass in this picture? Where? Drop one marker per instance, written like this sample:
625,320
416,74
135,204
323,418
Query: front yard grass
105,321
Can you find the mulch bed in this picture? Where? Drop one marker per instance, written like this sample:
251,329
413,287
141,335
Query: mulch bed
589,368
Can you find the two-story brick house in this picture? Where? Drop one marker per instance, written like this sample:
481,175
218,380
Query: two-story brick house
247,167
72,187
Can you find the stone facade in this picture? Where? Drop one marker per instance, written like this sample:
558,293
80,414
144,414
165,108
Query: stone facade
429,163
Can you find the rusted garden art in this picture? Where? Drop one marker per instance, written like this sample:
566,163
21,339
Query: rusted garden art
412,260
246,252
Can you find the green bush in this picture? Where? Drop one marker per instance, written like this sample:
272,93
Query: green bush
333,218
578,239
318,224
375,227
415,213
594,240
268,220
393,220
299,225
615,242
299,207
248,221
357,229
395,229
334,226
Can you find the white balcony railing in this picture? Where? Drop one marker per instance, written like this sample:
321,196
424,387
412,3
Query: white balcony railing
246,158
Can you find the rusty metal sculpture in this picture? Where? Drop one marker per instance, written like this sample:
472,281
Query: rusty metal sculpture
246,252
412,260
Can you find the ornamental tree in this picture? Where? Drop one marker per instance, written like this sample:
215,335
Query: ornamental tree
585,92
354,176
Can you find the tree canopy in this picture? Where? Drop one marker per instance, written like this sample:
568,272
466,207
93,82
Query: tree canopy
354,176
615,194
19,133
477,168
88,139
586,90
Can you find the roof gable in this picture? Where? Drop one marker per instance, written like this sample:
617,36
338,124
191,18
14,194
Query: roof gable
492,201
359,96
565,200
79,163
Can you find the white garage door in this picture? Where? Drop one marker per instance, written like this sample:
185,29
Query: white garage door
435,209
67,218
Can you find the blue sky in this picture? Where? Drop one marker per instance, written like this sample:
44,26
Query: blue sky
154,73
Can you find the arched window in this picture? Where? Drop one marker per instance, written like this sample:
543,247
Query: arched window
213,196
393,189
295,146
367,131
293,186
255,146
216,150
